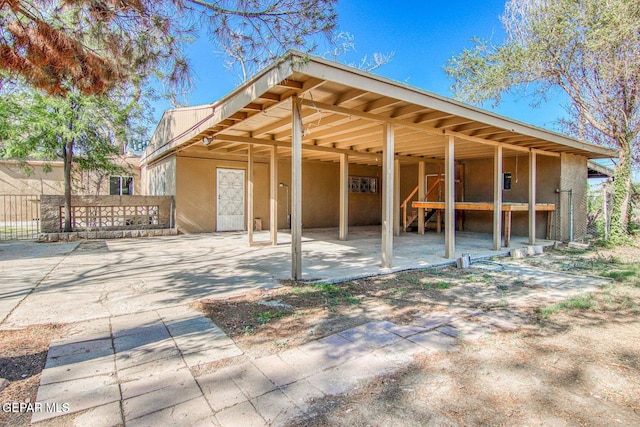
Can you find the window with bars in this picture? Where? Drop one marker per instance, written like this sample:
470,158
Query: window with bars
363,184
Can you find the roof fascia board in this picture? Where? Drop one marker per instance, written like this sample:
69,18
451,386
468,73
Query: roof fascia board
230,105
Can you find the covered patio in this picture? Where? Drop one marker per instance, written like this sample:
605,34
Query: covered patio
306,114
326,258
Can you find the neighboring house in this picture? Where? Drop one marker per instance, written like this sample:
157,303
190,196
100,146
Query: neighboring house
309,142
47,178
23,185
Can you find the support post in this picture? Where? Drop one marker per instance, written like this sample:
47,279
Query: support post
344,196
296,188
250,194
532,197
273,196
449,198
396,197
421,192
497,198
387,195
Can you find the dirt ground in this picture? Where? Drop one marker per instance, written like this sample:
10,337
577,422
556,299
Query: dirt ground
23,353
576,362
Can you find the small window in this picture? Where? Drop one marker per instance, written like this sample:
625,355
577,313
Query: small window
506,181
121,186
363,184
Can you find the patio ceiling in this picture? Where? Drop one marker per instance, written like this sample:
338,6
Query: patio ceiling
343,111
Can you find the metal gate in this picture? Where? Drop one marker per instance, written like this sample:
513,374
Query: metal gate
19,217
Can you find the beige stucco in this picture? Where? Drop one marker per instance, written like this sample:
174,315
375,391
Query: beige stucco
195,191
193,181
479,188
37,178
15,180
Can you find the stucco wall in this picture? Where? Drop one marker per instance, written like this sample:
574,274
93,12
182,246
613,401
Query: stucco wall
193,182
196,194
15,180
479,188
159,179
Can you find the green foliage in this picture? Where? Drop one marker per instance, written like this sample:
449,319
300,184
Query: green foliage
580,302
267,316
437,285
628,274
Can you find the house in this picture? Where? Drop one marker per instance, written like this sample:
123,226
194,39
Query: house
311,143
22,185
36,177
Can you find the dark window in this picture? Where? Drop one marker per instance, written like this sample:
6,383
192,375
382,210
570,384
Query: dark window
121,185
363,184
506,182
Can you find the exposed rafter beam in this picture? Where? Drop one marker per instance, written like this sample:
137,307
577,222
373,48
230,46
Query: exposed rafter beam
349,95
286,144
369,116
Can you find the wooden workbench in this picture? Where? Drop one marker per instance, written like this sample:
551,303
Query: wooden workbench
507,208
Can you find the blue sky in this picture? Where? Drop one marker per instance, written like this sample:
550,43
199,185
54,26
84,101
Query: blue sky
423,35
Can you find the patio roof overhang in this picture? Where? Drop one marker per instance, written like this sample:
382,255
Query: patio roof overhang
343,112
306,108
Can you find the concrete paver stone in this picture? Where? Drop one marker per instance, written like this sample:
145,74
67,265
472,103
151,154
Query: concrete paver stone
79,394
435,341
213,354
185,388
431,321
87,368
83,350
369,336
194,413
154,367
220,390
151,383
240,415
276,408
277,370
249,379
108,415
302,393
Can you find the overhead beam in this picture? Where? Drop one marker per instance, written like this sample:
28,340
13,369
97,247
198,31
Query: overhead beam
403,123
285,144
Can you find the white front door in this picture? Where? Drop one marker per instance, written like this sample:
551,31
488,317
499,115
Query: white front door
230,206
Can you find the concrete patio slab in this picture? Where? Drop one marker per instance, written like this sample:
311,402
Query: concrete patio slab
118,277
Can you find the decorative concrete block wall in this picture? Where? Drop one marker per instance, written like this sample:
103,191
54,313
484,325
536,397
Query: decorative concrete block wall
104,213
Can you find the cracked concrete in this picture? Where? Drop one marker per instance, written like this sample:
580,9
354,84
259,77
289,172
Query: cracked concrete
117,277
